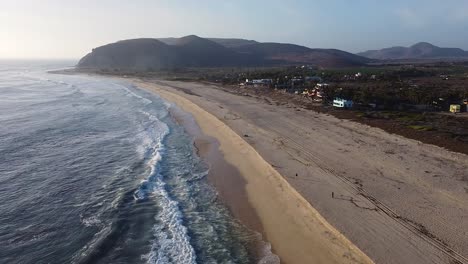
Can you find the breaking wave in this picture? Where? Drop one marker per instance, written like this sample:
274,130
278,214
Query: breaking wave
172,243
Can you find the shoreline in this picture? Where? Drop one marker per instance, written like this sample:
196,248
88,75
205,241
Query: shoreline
227,181
296,231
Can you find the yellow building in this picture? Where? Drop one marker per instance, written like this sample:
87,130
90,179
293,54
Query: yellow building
455,108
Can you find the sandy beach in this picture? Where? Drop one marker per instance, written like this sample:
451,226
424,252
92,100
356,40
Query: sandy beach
296,231
324,190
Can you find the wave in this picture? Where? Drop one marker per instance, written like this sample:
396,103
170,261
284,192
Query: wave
172,242
90,221
267,256
152,133
131,93
109,234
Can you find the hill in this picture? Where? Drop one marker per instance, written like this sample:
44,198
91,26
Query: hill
295,54
422,50
135,54
226,42
194,51
233,42
200,52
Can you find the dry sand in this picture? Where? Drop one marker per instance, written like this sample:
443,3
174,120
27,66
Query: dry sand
296,231
398,200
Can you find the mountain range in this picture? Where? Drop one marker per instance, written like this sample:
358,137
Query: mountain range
192,51
422,50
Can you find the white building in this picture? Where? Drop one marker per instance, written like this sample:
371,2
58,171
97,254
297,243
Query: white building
342,103
322,85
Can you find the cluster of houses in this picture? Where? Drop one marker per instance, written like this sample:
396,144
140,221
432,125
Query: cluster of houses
296,85
292,82
315,93
357,76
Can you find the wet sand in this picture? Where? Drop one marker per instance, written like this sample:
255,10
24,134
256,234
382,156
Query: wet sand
229,183
260,197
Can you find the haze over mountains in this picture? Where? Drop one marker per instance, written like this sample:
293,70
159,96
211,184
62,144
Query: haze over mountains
422,50
193,51
149,54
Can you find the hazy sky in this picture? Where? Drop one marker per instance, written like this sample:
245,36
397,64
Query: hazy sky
70,29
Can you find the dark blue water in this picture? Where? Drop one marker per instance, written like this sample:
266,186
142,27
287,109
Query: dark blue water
94,170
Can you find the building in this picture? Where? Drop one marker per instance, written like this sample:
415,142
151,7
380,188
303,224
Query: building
342,103
321,85
455,108
265,82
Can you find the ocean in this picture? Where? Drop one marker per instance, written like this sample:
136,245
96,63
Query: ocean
95,170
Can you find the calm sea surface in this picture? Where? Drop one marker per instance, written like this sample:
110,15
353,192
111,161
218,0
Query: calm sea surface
94,170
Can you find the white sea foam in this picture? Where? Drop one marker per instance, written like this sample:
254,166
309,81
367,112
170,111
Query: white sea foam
131,93
172,243
152,133
91,221
267,256
168,105
118,197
